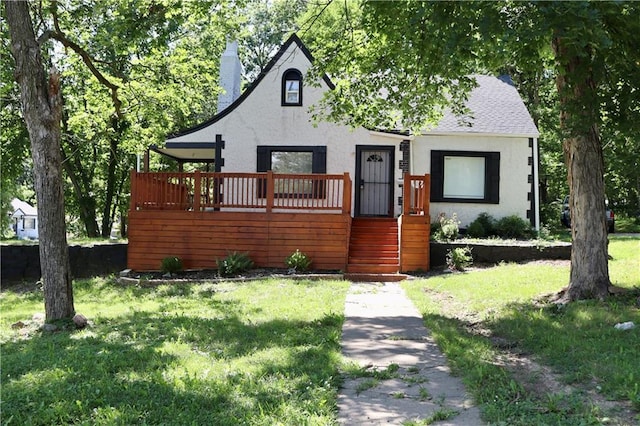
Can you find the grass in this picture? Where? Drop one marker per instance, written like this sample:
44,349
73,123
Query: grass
74,241
258,353
267,352
578,341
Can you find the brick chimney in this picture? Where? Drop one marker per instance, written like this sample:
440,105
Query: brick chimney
230,72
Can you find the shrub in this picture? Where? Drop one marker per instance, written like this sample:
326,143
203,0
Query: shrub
459,258
447,228
483,226
234,264
298,261
171,264
513,227
436,231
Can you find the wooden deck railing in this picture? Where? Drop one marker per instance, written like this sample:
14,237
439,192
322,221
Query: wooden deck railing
268,191
416,194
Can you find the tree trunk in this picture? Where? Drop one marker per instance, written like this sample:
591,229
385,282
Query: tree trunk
41,107
111,179
589,277
81,187
81,181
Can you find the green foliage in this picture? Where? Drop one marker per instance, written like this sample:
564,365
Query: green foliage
513,227
483,226
158,63
171,264
234,264
266,27
259,353
298,261
446,228
550,214
459,258
507,227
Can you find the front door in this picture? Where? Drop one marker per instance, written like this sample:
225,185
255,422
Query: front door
374,185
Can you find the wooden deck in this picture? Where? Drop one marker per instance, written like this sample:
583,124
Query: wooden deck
201,217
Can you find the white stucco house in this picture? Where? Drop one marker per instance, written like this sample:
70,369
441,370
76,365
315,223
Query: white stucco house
24,220
487,166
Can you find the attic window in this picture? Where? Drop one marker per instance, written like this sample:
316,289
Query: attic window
292,88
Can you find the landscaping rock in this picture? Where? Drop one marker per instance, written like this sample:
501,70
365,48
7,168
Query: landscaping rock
49,327
38,316
80,321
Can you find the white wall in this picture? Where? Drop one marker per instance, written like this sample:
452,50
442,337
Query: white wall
261,120
17,223
514,172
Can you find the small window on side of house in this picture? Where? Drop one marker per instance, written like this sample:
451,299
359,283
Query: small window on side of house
292,88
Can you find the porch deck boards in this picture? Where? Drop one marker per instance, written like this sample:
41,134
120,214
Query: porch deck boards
199,238
175,214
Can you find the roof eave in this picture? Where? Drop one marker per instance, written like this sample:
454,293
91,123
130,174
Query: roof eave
292,39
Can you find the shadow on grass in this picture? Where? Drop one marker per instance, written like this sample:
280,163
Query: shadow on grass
502,399
119,371
578,341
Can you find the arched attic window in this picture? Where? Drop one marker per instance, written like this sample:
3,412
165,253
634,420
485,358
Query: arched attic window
292,88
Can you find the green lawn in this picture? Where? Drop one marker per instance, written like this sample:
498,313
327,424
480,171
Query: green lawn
259,353
267,352
578,342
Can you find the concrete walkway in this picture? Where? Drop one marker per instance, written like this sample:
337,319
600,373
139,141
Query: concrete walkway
382,328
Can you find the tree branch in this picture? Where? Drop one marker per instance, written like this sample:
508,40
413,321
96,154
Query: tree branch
60,36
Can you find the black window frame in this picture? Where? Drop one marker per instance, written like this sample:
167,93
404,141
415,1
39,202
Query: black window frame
491,176
318,165
291,74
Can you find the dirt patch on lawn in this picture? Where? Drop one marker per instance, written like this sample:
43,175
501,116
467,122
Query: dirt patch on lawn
537,379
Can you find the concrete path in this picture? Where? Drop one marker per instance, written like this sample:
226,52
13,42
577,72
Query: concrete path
383,328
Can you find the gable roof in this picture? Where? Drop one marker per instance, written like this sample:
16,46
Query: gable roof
496,108
292,39
24,207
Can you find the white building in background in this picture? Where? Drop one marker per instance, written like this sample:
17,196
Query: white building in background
24,220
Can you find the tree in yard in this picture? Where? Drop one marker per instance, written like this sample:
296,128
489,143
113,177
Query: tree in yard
267,26
421,54
41,107
133,71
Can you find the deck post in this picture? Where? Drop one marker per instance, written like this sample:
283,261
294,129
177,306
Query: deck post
270,191
346,194
134,193
406,193
426,194
197,191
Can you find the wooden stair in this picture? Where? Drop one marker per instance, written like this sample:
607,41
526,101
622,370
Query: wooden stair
373,247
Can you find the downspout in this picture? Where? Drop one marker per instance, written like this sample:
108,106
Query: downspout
536,184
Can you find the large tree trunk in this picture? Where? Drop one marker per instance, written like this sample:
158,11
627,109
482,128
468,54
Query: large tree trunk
589,276
41,108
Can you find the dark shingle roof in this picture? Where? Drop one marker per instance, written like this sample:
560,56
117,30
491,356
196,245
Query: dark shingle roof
496,107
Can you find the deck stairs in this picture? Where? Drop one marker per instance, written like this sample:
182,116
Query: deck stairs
373,250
